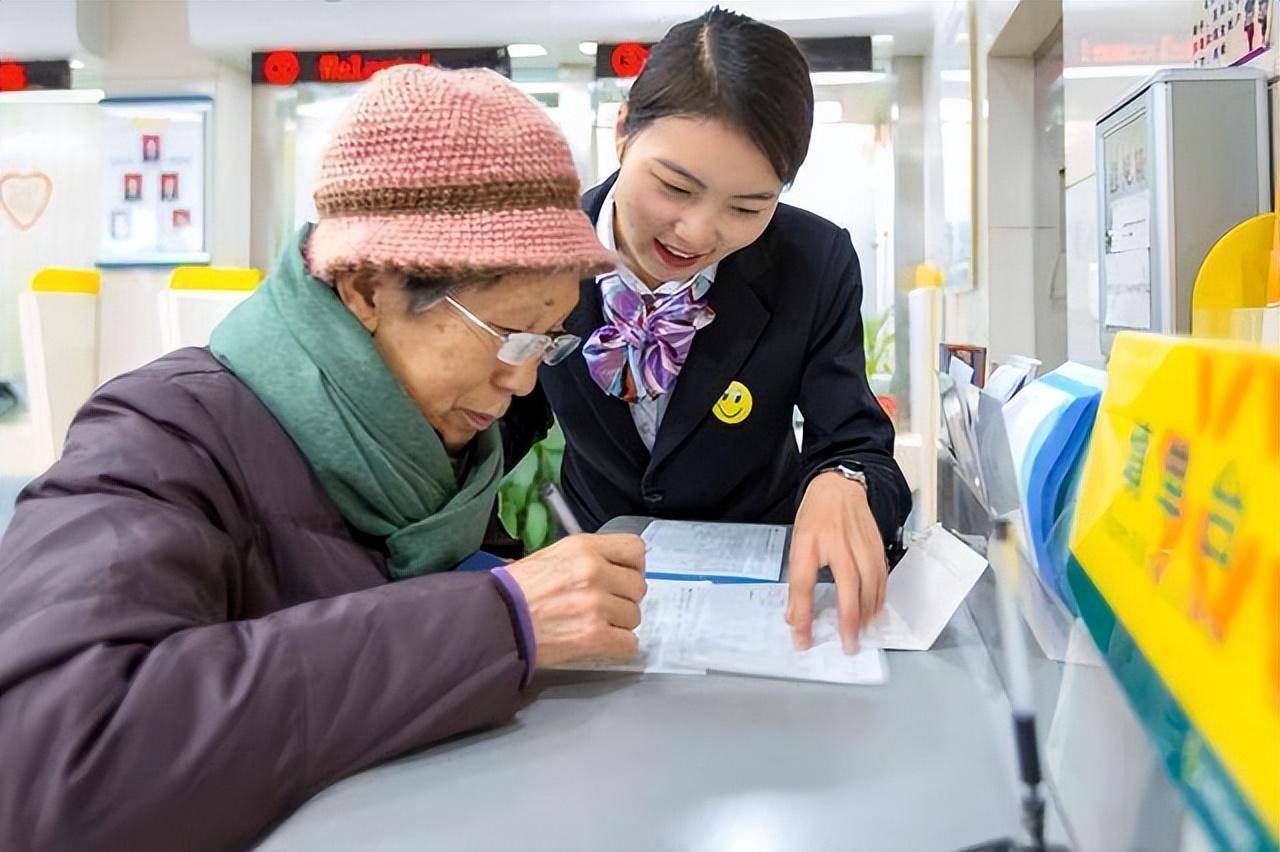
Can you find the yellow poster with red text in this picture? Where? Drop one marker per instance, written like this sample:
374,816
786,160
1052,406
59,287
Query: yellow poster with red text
1176,567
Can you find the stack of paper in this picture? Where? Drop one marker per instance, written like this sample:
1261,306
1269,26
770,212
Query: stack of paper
669,615
692,627
1012,376
742,629
717,552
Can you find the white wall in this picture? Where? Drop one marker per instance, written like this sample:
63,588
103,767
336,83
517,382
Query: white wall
909,213
60,141
1010,267
51,29
948,174
1023,270
1047,216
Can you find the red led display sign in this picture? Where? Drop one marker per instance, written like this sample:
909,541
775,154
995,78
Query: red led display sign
25,76
287,67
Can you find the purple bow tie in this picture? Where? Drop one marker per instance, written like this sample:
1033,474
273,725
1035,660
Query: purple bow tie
639,352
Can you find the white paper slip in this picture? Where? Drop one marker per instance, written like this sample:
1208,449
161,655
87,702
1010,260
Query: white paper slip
668,618
924,591
1005,381
960,371
742,630
1129,289
743,552
1130,222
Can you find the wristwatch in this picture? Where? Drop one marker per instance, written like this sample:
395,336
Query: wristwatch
853,474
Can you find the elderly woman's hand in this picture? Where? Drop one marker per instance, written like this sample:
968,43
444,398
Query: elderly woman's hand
584,597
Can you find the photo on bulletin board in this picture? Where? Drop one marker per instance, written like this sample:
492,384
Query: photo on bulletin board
169,186
150,148
155,180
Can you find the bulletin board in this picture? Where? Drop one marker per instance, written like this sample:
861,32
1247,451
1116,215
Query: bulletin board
1125,162
154,181
1231,32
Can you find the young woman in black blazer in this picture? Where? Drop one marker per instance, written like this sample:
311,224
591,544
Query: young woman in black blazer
727,310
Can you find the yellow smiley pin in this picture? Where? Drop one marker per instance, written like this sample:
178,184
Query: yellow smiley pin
734,404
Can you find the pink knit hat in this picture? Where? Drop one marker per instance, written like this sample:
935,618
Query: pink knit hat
449,173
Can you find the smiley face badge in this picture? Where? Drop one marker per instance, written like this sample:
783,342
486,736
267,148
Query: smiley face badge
734,405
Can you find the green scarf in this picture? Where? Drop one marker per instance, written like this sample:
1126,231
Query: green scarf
316,369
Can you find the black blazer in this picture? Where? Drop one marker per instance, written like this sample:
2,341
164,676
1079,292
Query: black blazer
787,327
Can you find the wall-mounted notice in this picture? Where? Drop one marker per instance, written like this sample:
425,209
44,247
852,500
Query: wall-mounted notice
1127,264
153,194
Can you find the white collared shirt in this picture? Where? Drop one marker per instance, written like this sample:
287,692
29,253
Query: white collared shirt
647,413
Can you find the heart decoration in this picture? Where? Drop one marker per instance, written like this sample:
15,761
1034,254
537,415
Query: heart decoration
24,197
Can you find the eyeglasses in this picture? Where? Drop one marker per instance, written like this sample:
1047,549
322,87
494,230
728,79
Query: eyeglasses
519,347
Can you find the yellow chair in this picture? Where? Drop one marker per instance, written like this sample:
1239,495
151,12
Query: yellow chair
58,322
198,298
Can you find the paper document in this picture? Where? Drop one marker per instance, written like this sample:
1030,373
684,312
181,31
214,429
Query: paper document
668,617
742,630
714,551
960,371
1005,381
960,433
1130,222
1129,289
690,627
924,591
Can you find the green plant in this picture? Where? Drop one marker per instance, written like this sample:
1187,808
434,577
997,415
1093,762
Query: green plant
521,507
877,341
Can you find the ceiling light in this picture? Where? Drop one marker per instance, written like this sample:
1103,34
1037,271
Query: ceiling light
53,96
1094,72
587,48
525,51
76,65
539,87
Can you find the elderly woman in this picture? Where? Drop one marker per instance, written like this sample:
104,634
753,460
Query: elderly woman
235,587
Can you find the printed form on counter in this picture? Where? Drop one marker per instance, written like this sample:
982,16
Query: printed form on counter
691,627
724,552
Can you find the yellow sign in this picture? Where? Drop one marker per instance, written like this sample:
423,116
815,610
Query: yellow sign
1233,276
1176,566
734,405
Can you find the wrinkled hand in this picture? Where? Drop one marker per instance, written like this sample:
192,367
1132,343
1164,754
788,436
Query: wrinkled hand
584,595
834,527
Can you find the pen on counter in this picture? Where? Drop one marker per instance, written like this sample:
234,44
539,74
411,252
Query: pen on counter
568,522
